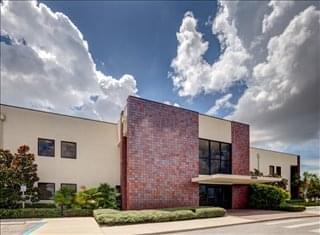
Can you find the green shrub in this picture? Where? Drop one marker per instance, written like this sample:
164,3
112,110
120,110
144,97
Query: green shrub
264,196
88,199
38,205
108,196
290,207
115,217
29,213
42,213
210,212
302,202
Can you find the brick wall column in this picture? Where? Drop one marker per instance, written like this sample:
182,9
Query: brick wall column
240,163
162,155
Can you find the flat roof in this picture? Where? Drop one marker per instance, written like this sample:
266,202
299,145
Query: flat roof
269,150
57,114
190,110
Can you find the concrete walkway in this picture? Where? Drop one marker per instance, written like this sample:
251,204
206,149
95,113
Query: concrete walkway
68,226
88,225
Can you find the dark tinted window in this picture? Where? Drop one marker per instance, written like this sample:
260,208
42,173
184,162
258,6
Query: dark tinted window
204,157
278,170
271,170
45,147
72,187
214,157
68,149
46,191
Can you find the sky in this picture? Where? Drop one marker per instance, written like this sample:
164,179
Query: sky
254,62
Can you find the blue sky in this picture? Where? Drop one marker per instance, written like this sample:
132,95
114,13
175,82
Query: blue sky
139,38
231,59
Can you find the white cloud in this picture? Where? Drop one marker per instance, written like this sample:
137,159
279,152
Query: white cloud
48,65
282,99
223,102
192,74
278,9
172,103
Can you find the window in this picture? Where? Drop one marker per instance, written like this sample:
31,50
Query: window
73,187
46,191
45,147
214,157
271,170
68,149
215,195
278,170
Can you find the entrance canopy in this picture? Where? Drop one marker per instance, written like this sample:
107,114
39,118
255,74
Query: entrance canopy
233,179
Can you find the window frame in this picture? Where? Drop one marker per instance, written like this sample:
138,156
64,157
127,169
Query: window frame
68,142
54,190
273,172
63,184
54,147
278,167
209,158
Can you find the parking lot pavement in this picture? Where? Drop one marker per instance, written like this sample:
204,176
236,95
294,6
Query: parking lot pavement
298,226
19,226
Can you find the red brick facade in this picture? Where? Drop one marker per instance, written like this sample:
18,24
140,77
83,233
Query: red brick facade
240,163
161,156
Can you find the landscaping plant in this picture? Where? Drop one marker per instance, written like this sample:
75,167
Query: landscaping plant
108,196
16,170
263,196
64,198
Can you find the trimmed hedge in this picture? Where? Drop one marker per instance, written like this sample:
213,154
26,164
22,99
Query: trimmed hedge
290,207
115,217
210,212
302,202
39,205
42,213
264,196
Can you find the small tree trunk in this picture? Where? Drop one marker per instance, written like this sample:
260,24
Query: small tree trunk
61,210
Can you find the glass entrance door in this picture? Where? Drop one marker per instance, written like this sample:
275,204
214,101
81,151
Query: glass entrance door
215,195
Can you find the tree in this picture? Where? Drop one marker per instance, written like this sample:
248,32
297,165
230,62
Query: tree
64,198
109,196
306,183
16,170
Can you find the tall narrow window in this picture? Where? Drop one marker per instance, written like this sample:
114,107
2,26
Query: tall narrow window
45,147
204,157
278,170
271,170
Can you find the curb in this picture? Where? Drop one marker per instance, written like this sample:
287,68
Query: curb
226,225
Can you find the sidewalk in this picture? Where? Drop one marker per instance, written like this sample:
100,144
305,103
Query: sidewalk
233,217
88,225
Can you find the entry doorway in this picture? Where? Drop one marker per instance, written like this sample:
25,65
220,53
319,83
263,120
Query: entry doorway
215,195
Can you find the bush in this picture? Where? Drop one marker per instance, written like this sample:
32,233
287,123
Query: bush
108,196
42,213
264,196
291,207
302,202
88,198
38,205
115,217
210,212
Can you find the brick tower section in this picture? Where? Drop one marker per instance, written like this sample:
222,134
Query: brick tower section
240,163
162,155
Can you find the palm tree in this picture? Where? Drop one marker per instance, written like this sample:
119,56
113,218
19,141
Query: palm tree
64,198
307,177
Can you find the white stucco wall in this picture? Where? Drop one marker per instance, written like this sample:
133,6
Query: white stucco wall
214,129
97,161
267,158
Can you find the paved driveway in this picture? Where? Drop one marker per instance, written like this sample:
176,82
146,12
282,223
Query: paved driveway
299,226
